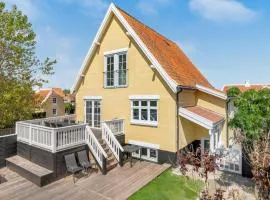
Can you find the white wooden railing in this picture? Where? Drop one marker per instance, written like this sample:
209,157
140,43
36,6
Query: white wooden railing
70,136
116,126
95,147
111,141
48,138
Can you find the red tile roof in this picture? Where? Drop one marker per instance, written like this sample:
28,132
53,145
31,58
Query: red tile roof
176,64
205,113
42,94
244,87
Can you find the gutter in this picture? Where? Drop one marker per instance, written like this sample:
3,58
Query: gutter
179,89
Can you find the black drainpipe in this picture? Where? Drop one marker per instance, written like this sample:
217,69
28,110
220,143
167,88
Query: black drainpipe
179,89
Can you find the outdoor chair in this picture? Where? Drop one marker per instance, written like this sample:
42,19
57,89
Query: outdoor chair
59,125
47,124
53,125
83,160
72,165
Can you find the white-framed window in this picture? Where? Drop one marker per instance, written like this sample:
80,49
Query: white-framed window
54,111
54,100
115,69
146,153
144,112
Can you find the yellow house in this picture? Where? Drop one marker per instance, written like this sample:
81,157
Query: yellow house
133,73
51,101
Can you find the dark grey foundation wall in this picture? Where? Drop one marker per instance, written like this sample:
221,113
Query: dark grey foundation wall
8,147
166,157
52,161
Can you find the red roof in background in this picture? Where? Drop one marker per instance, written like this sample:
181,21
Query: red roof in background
169,55
205,113
43,93
245,87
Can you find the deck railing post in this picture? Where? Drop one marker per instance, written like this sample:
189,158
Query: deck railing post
30,135
54,138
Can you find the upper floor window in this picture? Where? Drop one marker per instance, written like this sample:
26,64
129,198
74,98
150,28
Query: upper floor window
54,99
115,73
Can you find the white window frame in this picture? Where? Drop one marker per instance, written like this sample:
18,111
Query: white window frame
93,99
148,99
146,157
54,114
115,54
54,98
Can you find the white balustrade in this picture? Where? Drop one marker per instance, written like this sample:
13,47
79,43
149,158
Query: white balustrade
111,141
116,126
95,146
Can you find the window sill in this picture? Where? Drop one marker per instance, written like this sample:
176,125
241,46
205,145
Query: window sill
142,123
114,87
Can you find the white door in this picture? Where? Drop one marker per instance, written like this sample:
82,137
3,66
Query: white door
92,113
205,144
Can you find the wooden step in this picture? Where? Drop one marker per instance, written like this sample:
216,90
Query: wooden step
31,171
111,165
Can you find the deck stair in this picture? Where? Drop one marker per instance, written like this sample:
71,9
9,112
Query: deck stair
29,170
111,160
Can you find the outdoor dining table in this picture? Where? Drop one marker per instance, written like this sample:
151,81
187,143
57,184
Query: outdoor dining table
129,149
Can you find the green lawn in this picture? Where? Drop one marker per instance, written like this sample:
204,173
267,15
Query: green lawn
169,186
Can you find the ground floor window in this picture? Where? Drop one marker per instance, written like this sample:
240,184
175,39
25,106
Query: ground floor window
146,154
54,111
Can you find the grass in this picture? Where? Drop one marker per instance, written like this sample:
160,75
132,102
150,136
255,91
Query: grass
169,186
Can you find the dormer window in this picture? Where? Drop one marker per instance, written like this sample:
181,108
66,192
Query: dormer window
115,69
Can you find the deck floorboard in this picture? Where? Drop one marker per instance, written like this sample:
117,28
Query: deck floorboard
119,183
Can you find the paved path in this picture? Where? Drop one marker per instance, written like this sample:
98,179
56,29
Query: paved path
119,183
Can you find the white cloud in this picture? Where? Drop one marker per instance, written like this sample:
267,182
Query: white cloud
222,10
151,7
28,7
89,7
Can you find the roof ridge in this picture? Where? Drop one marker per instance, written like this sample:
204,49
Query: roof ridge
159,34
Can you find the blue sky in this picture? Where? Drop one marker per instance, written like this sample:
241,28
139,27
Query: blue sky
228,40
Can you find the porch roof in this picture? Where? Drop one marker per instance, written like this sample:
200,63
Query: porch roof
201,116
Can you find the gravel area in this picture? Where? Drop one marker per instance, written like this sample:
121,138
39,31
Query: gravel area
234,185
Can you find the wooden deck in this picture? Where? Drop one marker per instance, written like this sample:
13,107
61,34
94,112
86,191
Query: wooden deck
119,183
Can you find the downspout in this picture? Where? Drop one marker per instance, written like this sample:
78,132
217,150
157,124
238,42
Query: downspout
179,89
227,119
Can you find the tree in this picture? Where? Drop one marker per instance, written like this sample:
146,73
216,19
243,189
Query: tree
251,125
69,108
66,91
20,69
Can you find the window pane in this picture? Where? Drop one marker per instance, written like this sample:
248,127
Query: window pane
144,114
153,103
144,103
153,153
136,114
122,69
144,151
110,71
135,103
153,115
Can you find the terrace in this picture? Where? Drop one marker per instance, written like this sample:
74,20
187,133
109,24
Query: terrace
44,142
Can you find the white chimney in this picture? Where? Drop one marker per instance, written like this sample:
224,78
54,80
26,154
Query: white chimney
247,83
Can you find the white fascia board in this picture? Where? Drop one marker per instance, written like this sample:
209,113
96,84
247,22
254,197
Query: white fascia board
47,97
116,51
144,144
144,97
172,84
212,92
92,97
92,49
112,9
197,119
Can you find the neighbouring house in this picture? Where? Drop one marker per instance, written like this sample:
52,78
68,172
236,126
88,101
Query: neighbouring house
246,86
69,98
132,72
134,87
50,101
